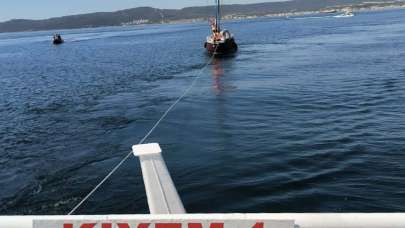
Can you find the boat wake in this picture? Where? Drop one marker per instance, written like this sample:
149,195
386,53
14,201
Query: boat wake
343,16
303,18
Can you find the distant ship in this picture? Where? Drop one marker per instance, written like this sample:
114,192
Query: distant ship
220,42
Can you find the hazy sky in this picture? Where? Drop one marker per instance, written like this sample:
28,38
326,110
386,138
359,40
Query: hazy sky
38,9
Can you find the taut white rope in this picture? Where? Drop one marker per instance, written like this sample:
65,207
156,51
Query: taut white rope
186,91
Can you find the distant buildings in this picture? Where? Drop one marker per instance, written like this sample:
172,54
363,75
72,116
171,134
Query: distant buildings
136,22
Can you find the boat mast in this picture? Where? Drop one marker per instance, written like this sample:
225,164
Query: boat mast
218,16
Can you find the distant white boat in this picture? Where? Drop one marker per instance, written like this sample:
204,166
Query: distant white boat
346,14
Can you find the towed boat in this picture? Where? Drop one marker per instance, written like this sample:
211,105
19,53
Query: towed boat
220,42
57,39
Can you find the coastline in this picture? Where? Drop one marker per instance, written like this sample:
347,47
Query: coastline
332,10
365,7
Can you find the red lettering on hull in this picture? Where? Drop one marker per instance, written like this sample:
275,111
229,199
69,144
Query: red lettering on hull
199,225
258,225
157,225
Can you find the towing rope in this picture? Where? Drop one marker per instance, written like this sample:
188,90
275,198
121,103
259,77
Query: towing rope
186,91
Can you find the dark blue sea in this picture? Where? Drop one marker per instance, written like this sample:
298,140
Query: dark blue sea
309,116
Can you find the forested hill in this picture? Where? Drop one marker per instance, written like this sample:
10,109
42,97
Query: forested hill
145,15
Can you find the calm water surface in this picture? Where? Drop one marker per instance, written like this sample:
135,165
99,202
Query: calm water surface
308,117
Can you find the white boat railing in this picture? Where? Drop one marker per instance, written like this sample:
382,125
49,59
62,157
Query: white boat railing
160,190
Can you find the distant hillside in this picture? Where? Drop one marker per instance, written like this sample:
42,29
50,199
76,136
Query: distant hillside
144,15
